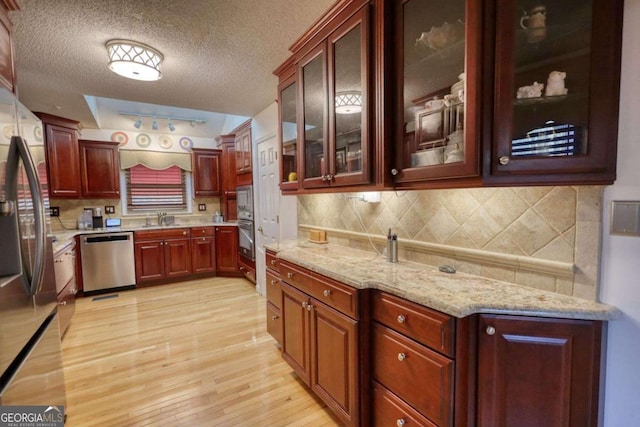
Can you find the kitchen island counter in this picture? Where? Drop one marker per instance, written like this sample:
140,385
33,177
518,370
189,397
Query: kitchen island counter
457,294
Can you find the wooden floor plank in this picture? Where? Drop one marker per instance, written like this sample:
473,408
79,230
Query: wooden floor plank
188,354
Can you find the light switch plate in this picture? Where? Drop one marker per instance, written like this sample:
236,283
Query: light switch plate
625,218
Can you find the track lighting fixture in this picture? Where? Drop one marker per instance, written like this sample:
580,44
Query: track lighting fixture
170,121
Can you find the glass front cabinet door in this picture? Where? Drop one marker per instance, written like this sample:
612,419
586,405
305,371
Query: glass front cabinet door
556,89
438,66
333,123
288,134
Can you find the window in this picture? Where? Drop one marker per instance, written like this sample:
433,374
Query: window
150,189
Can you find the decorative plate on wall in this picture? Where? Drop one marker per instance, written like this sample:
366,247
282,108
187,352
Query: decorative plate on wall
143,140
186,143
8,131
120,137
165,141
37,133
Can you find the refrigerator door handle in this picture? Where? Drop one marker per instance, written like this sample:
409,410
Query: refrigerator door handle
19,150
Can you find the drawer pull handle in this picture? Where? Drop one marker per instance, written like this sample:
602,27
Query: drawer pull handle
490,330
289,275
326,293
401,356
400,422
273,262
401,318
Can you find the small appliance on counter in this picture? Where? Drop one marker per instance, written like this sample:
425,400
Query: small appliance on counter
98,222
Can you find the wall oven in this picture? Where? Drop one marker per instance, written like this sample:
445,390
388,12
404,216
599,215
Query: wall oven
245,239
245,221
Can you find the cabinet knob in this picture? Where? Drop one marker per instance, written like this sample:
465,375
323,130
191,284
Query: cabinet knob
401,356
309,307
401,318
184,233
274,317
504,160
289,275
204,239
203,231
326,292
490,330
324,178
273,262
304,304
400,422
273,282
394,171
62,303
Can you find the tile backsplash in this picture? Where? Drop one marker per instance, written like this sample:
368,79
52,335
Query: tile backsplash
494,232
70,209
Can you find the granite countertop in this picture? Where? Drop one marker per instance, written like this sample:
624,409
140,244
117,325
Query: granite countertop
62,237
456,294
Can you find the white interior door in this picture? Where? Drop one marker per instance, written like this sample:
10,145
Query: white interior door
268,198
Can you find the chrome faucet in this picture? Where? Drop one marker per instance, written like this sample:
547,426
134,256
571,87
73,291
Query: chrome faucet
162,218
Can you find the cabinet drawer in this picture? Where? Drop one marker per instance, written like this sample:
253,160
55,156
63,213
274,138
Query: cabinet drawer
416,374
274,291
429,327
297,276
201,231
272,261
336,295
390,410
274,322
161,234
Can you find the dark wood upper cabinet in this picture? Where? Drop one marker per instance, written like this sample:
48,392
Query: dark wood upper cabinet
243,152
457,93
7,50
206,172
437,63
99,169
63,166
565,128
333,121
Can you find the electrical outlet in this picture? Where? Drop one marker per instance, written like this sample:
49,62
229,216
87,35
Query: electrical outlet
202,207
54,211
109,209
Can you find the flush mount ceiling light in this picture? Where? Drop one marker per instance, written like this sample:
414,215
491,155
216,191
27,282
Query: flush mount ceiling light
348,102
134,60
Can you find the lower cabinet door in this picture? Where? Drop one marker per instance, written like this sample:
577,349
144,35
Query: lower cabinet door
149,260
203,255
334,365
390,410
295,331
177,257
418,375
274,323
538,372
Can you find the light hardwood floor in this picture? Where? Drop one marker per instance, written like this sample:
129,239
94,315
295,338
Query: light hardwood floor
189,354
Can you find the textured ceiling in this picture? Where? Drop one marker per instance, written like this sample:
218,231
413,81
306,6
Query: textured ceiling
219,54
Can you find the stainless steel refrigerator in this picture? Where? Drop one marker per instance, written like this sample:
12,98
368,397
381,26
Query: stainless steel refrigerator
31,371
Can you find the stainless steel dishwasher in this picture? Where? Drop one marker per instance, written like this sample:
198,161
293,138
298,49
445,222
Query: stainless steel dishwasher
107,261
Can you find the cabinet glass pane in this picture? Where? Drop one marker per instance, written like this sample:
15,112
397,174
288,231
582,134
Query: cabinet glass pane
551,55
348,102
434,58
314,117
289,132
